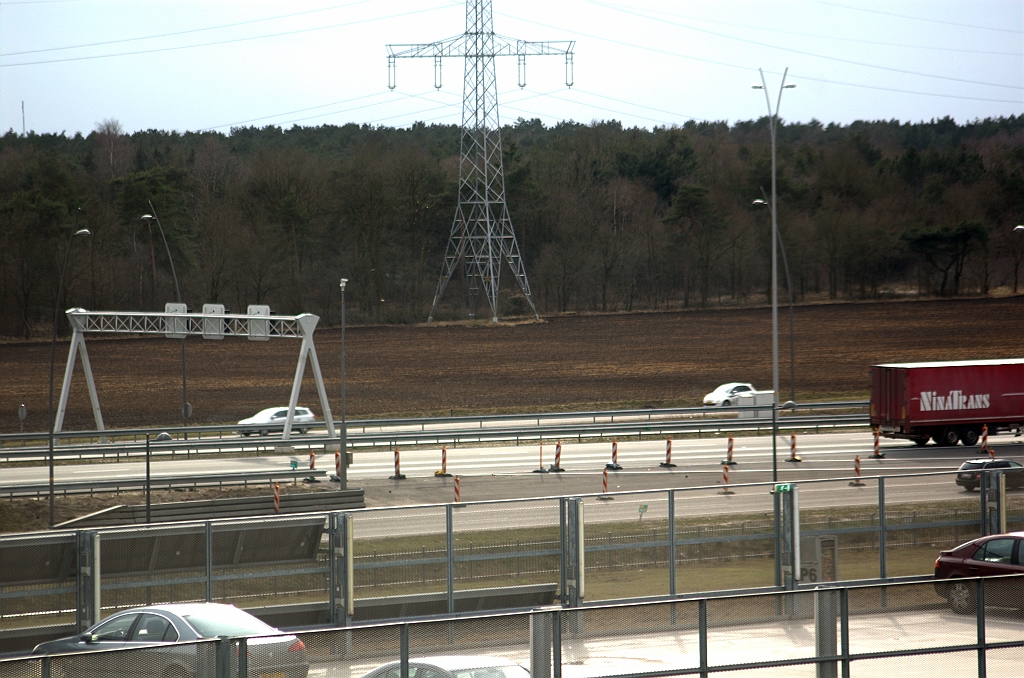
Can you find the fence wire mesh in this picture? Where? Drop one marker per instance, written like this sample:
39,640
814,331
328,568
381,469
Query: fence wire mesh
626,544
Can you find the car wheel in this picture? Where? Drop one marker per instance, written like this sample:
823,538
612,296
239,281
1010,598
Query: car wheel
246,433
960,596
302,431
726,403
970,488
970,436
263,433
948,437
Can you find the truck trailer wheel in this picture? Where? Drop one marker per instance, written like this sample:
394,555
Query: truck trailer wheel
970,436
948,437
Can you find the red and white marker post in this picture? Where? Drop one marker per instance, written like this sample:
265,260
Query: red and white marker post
668,455
792,449
725,480
398,468
614,466
877,454
458,490
557,466
857,482
728,455
443,472
277,498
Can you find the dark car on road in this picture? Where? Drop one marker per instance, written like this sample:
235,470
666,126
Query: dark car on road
998,554
165,635
969,474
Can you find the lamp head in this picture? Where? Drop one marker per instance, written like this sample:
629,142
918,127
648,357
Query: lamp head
82,231
146,217
788,86
759,202
344,281
1019,228
757,87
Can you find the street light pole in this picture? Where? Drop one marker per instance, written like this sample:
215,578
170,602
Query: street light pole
773,118
343,472
185,409
789,289
75,231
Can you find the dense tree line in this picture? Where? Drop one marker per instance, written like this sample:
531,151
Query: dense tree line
608,218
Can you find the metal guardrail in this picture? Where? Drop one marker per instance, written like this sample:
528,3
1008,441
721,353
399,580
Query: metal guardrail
158,482
444,430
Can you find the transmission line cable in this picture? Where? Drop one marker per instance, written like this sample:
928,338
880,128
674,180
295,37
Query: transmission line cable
689,57
833,37
186,32
841,60
918,18
226,42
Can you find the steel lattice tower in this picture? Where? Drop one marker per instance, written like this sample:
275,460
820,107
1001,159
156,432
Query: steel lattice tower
482,233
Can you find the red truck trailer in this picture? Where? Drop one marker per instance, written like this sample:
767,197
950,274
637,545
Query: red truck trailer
947,401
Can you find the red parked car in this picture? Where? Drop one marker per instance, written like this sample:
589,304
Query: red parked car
997,554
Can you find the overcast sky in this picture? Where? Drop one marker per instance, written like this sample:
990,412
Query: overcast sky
213,64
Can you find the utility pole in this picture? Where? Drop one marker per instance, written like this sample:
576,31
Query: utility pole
482,233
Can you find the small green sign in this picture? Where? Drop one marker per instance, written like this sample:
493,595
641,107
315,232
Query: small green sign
642,508
784,487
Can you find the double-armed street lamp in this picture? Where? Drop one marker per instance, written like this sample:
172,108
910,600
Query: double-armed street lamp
75,232
186,409
773,120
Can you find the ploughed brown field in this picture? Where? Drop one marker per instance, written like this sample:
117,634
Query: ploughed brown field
566,362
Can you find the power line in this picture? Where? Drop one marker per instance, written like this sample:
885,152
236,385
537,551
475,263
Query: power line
225,42
835,38
804,53
918,18
726,64
167,35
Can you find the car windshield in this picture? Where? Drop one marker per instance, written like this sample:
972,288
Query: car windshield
226,621
968,465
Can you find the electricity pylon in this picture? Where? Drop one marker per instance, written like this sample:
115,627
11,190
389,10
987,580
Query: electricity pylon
482,233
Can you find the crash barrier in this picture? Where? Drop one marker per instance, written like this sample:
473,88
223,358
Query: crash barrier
665,542
436,433
210,509
872,630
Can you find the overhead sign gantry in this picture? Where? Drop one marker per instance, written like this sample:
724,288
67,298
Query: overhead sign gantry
213,323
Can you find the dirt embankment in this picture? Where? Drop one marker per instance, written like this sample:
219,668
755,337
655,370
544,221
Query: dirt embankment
565,362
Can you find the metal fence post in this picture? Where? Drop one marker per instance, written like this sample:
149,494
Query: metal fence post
243,658
403,662
223,658
983,502
881,530
702,635
540,644
980,610
88,579
825,616
672,547
450,547
209,561
777,508
556,643
844,629
341,573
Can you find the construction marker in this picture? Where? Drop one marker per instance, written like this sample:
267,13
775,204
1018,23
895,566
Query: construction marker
668,455
856,469
443,473
614,466
792,448
277,498
725,480
728,455
458,490
398,468
541,469
557,466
